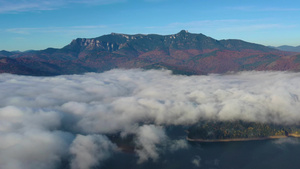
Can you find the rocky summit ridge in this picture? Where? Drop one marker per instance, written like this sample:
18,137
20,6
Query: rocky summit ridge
183,53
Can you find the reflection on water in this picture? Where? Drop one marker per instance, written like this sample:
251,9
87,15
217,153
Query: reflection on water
266,154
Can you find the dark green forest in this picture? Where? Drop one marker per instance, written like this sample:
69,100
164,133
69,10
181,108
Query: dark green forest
212,130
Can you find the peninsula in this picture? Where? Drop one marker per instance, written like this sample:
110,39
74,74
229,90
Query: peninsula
239,131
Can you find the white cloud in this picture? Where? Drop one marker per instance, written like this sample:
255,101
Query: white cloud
48,112
28,5
262,9
197,161
12,6
130,96
89,151
148,136
96,2
75,29
256,27
33,149
285,141
178,144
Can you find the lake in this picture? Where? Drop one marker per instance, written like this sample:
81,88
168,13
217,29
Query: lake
265,154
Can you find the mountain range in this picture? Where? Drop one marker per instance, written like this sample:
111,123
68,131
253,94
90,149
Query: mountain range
288,48
183,53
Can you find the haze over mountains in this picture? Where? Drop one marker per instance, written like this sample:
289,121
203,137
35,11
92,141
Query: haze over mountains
183,53
288,48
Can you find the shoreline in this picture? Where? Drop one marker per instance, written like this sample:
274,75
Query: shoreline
294,135
241,139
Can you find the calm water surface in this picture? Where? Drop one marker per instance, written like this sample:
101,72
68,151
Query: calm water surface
267,154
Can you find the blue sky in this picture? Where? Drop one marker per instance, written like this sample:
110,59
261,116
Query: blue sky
38,24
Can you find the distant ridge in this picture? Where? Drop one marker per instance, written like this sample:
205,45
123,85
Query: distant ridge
183,53
288,48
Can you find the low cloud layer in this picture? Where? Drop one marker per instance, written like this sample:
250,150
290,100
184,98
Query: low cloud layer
48,121
89,151
148,137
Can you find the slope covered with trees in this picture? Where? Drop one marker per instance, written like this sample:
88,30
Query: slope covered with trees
239,130
184,52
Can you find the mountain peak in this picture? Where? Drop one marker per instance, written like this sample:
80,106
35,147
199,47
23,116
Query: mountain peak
183,32
182,51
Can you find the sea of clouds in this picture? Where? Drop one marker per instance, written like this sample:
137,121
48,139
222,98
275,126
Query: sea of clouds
47,122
